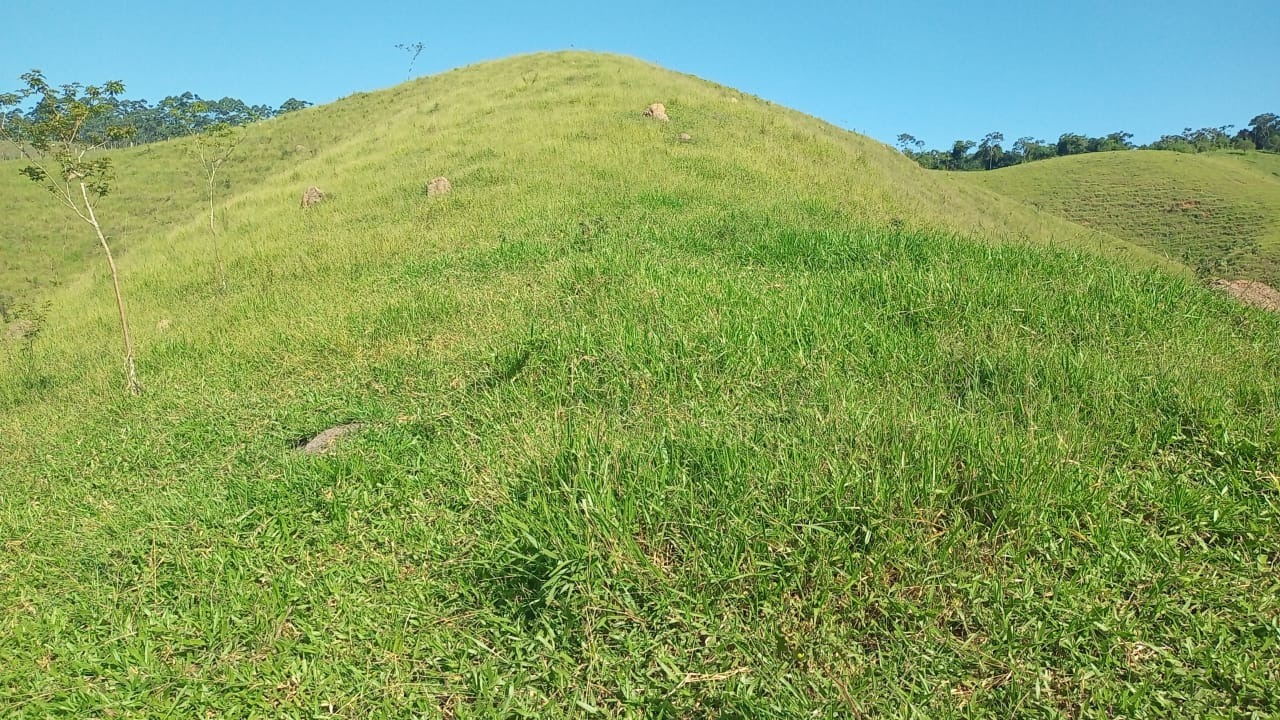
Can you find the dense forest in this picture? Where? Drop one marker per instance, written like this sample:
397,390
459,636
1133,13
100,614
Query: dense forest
172,117
1262,133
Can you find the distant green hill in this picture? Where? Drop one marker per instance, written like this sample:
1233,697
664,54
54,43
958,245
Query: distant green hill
768,424
1217,213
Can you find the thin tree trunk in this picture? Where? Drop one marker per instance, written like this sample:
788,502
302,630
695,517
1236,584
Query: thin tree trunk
135,388
213,230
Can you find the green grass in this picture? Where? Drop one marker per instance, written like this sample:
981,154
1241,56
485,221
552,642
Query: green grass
756,427
1217,213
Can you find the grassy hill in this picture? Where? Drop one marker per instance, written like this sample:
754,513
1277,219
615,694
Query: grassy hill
567,115
1218,213
769,424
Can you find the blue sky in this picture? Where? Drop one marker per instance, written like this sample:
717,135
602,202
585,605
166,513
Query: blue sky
940,70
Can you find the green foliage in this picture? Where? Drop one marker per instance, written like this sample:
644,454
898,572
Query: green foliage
1028,149
990,153
57,138
1111,143
960,152
1263,133
156,122
292,105
1174,143
1202,140
1072,144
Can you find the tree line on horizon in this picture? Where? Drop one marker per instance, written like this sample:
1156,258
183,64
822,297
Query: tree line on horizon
1262,133
174,116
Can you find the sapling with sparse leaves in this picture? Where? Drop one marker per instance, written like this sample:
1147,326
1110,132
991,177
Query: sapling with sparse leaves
211,145
414,50
65,158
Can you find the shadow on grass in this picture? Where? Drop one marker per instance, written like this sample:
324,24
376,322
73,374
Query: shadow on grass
505,368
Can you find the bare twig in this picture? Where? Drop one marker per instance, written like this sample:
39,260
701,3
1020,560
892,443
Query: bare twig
694,678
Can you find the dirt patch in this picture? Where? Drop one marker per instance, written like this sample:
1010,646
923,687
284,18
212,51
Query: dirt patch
313,196
439,186
21,329
657,111
1251,292
325,441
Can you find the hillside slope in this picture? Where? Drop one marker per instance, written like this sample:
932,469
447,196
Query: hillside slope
530,127
769,424
1217,213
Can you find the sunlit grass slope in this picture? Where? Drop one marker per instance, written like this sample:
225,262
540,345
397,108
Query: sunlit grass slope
770,424
1217,213
530,130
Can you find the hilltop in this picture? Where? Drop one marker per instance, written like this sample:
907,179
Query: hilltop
1216,213
566,113
773,423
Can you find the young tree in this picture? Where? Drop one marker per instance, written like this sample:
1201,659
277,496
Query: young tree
414,50
62,155
212,144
